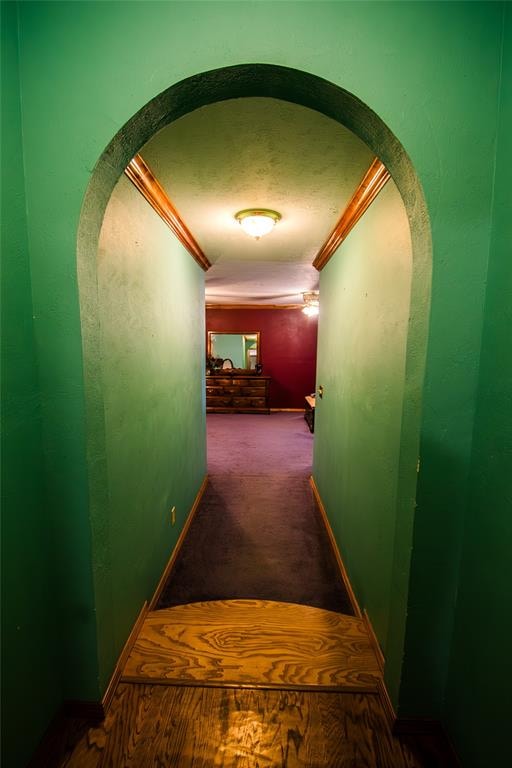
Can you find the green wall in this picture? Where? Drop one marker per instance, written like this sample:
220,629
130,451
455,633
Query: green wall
151,313
430,71
449,406
29,612
478,706
365,296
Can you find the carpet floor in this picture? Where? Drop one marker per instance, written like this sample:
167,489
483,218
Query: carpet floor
257,533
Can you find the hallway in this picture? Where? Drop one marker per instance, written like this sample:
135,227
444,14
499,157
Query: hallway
257,533
249,682
232,107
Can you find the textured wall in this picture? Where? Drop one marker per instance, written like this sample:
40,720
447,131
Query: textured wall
421,67
478,705
450,392
150,298
288,348
29,613
365,292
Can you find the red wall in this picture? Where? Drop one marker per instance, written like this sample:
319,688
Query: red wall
288,348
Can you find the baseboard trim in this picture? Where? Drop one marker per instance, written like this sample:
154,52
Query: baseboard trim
287,410
433,735
118,671
386,702
416,725
92,711
374,641
426,732
97,710
176,550
49,751
337,553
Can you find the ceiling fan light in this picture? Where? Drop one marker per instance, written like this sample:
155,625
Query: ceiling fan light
257,222
312,303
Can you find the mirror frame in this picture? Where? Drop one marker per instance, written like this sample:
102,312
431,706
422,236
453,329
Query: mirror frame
236,333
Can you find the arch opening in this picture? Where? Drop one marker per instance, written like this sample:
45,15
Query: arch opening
207,88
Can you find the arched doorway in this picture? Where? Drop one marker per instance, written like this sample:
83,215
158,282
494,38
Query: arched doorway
320,95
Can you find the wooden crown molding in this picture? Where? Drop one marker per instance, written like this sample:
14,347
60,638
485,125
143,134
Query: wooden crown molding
144,180
148,185
373,181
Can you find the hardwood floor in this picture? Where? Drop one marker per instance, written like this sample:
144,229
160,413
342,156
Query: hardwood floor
245,684
287,719
197,727
254,643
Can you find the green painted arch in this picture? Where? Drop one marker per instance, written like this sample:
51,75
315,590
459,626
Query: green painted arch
305,89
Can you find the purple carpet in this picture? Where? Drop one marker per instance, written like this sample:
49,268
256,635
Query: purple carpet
259,445
257,533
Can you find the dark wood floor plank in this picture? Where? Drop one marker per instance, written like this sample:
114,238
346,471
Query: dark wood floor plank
152,726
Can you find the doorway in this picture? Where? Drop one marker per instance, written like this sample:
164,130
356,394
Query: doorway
113,457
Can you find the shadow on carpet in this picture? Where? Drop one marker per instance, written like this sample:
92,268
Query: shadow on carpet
257,537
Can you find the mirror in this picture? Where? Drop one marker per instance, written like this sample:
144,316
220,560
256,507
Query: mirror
242,349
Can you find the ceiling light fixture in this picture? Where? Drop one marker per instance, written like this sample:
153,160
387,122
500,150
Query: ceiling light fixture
312,302
257,222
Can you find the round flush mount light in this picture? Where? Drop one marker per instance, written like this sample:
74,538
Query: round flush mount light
257,222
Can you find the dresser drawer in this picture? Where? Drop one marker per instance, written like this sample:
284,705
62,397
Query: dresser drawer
250,391
222,390
223,401
217,381
257,383
214,390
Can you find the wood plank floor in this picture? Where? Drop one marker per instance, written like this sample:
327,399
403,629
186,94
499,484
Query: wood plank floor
157,724
254,643
193,727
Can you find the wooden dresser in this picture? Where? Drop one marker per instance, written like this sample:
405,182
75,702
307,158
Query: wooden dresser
237,394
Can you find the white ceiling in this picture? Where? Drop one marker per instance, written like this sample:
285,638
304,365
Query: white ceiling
258,152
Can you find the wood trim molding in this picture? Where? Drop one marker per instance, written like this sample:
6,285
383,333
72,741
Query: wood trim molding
374,641
404,725
386,702
96,710
369,187
91,711
287,410
254,306
427,732
337,553
175,552
116,675
432,731
432,734
252,685
63,733
142,177
49,750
